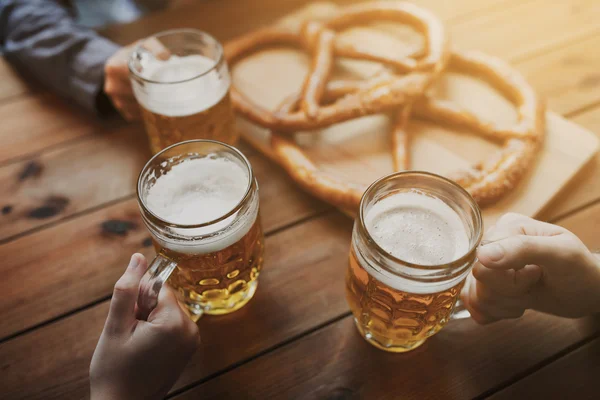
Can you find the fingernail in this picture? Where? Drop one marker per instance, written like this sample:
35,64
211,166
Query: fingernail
494,252
134,262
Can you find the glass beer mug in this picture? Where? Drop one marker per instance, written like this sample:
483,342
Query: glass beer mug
199,200
181,81
414,243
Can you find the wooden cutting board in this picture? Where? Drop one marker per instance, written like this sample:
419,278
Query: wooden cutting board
359,150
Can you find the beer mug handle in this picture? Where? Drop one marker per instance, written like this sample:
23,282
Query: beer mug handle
460,312
151,283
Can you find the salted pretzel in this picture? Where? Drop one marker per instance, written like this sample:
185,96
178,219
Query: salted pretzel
490,180
486,181
374,96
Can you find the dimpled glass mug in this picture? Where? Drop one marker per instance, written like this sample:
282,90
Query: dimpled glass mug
199,200
414,243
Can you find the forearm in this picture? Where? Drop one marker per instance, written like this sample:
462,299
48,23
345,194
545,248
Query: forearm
41,38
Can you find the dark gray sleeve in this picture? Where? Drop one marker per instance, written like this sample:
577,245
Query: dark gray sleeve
41,38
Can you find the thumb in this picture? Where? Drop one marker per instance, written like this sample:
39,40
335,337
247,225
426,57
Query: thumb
122,306
515,252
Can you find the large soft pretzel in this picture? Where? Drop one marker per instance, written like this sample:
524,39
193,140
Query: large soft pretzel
374,96
486,181
402,95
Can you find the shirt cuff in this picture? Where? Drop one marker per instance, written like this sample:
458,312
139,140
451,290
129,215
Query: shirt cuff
87,74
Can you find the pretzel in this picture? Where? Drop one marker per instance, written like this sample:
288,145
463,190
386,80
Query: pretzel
404,96
373,97
302,170
489,181
401,139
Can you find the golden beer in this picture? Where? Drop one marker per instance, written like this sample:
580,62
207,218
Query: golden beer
181,81
413,246
199,199
394,318
221,281
216,123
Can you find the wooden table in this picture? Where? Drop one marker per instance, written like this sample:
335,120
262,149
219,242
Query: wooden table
69,224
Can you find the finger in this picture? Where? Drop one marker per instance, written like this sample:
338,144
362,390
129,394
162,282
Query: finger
155,46
169,312
131,113
515,252
129,110
117,64
523,225
118,87
487,306
122,306
509,282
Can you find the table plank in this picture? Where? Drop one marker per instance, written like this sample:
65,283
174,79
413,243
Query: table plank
586,225
301,287
106,151
469,10
576,372
307,259
71,179
12,85
529,28
568,77
33,123
104,168
216,16
21,136
461,362
65,248
585,187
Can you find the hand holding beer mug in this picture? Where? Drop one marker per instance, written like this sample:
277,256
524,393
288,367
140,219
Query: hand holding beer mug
199,200
181,81
413,245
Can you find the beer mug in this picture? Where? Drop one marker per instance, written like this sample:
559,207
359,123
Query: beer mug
181,81
413,244
199,200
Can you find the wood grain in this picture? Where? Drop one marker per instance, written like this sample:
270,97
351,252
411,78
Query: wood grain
82,256
576,372
18,199
71,179
568,77
104,168
11,85
451,365
585,188
301,287
462,361
586,225
76,262
216,16
33,123
358,151
528,28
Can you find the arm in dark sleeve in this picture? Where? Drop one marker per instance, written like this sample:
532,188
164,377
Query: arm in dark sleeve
41,38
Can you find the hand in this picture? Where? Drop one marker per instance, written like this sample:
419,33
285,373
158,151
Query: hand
137,359
531,264
118,86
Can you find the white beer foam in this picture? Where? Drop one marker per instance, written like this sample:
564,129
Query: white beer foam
184,98
197,191
419,229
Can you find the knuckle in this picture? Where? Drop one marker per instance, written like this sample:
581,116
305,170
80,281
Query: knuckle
123,287
525,244
478,272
